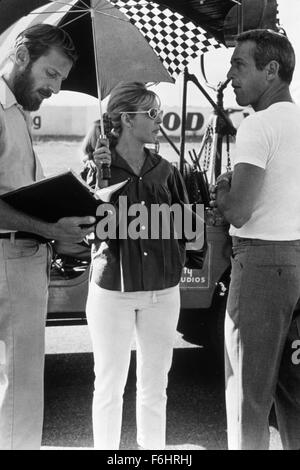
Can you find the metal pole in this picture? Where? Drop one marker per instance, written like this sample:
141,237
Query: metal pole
169,140
240,11
217,108
183,120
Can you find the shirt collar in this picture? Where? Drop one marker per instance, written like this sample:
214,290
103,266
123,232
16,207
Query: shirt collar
7,98
151,161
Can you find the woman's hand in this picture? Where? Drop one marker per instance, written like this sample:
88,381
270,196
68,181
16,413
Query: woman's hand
102,154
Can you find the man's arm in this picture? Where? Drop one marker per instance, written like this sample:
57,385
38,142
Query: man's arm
68,229
236,201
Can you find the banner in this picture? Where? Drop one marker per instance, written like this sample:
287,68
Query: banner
75,121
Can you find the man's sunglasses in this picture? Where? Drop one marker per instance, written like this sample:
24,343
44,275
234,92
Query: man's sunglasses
152,112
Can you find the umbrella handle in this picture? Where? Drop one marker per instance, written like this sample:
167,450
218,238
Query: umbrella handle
105,173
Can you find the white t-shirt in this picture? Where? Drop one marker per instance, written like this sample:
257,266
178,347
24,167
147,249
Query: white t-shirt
270,139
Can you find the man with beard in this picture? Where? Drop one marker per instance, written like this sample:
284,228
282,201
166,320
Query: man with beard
42,57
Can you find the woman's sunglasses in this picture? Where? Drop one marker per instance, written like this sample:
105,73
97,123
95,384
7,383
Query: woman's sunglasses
152,112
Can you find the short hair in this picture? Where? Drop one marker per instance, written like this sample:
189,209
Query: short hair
40,38
270,45
128,96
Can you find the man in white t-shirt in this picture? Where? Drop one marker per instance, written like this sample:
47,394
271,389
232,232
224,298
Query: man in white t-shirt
261,201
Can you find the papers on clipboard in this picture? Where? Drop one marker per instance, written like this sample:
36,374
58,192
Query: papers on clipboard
104,194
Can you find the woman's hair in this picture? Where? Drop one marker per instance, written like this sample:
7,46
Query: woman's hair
131,96
90,140
40,38
128,96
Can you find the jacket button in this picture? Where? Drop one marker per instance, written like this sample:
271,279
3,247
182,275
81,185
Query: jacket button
145,253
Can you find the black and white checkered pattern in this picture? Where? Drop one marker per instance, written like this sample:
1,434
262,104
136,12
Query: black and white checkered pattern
174,38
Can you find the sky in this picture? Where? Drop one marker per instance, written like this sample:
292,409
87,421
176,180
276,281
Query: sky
216,67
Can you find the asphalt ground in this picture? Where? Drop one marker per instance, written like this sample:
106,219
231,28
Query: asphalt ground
196,417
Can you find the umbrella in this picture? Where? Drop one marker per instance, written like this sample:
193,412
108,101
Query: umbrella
126,40
125,34
221,18
116,40
211,15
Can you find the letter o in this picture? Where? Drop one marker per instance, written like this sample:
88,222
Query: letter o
171,121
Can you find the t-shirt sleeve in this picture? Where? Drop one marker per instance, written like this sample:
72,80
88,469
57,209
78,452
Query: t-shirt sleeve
253,142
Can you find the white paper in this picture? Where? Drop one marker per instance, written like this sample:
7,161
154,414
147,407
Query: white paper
105,193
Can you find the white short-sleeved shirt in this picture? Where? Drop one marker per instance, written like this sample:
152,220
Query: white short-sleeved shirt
270,139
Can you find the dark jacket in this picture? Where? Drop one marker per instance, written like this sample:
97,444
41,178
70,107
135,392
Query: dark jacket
142,264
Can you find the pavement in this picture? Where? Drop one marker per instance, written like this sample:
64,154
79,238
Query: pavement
196,418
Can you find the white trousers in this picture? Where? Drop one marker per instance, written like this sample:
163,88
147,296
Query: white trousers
112,318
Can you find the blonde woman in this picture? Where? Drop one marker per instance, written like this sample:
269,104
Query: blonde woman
134,285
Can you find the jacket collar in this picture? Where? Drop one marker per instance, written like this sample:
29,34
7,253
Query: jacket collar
151,161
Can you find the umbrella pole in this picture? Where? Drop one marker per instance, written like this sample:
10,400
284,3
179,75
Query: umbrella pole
97,72
104,174
241,17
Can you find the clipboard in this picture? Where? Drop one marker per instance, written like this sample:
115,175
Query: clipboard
62,195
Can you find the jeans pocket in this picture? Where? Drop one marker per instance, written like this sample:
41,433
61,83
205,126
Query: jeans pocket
237,261
20,249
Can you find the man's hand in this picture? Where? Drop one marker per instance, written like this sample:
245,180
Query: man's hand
214,217
235,197
213,195
223,180
72,229
225,177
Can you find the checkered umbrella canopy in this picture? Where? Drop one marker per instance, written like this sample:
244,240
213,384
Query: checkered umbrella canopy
175,38
135,40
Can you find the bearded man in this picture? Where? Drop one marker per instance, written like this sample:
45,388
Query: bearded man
41,59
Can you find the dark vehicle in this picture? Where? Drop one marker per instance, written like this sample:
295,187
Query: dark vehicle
203,291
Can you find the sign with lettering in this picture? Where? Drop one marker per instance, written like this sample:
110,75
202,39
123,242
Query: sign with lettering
194,121
197,278
76,120
37,122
